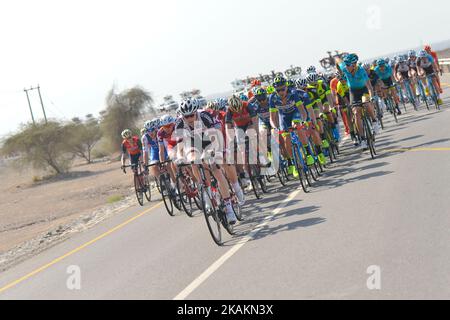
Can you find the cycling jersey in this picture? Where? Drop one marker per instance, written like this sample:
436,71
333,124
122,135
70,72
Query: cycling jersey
263,112
288,105
241,119
197,133
425,63
373,77
357,80
133,148
342,89
386,74
412,63
165,138
151,147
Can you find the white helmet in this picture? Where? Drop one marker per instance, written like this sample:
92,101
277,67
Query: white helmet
149,125
188,107
167,119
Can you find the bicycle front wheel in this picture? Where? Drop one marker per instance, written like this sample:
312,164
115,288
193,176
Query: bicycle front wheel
139,189
211,216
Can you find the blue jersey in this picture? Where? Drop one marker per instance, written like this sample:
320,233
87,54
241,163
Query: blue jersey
358,80
293,101
386,74
425,62
263,112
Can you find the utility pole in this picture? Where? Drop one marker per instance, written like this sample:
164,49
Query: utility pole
42,104
29,105
38,88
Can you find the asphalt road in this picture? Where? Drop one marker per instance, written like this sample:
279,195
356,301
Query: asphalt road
391,214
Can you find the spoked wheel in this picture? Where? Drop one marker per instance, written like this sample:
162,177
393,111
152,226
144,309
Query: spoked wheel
165,193
255,182
299,167
282,177
186,192
370,138
138,188
211,215
237,209
147,189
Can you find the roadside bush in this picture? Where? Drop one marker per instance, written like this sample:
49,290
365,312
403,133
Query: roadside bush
43,146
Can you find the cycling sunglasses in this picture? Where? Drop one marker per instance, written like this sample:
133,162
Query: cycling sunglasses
261,97
189,116
281,89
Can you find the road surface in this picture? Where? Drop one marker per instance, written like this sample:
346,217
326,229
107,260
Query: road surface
383,222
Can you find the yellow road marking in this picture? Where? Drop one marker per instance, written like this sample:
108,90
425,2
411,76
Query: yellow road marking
39,270
417,149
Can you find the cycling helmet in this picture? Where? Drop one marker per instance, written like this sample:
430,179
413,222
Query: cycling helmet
260,94
427,48
290,84
351,59
189,107
423,54
302,82
166,120
235,104
279,82
412,53
270,89
381,63
157,123
243,97
311,69
312,78
220,104
149,125
212,105
401,59
127,134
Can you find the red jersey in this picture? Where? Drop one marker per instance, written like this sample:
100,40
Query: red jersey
243,118
133,148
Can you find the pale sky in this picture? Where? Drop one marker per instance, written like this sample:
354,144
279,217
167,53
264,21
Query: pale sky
76,50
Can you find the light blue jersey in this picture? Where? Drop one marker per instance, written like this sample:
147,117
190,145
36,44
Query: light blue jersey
358,80
386,74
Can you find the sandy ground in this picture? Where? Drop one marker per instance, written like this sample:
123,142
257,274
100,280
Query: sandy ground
29,209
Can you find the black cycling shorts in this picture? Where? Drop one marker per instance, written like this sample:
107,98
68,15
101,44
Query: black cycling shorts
356,95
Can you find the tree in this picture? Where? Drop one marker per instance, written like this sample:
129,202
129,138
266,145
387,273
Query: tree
42,145
123,110
83,136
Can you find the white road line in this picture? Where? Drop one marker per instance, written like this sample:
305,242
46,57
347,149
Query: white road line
216,265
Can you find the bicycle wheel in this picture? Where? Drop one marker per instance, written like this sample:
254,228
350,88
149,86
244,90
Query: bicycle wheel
223,219
165,193
147,188
299,166
185,193
394,111
138,188
211,216
379,114
254,181
369,137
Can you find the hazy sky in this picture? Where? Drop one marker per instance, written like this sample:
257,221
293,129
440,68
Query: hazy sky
76,50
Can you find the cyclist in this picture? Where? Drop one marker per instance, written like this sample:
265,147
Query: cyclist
360,91
402,73
385,73
243,119
287,109
322,91
131,146
167,144
193,126
150,147
426,66
438,67
219,114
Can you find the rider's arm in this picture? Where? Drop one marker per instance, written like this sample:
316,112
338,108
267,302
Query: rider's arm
124,155
370,88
